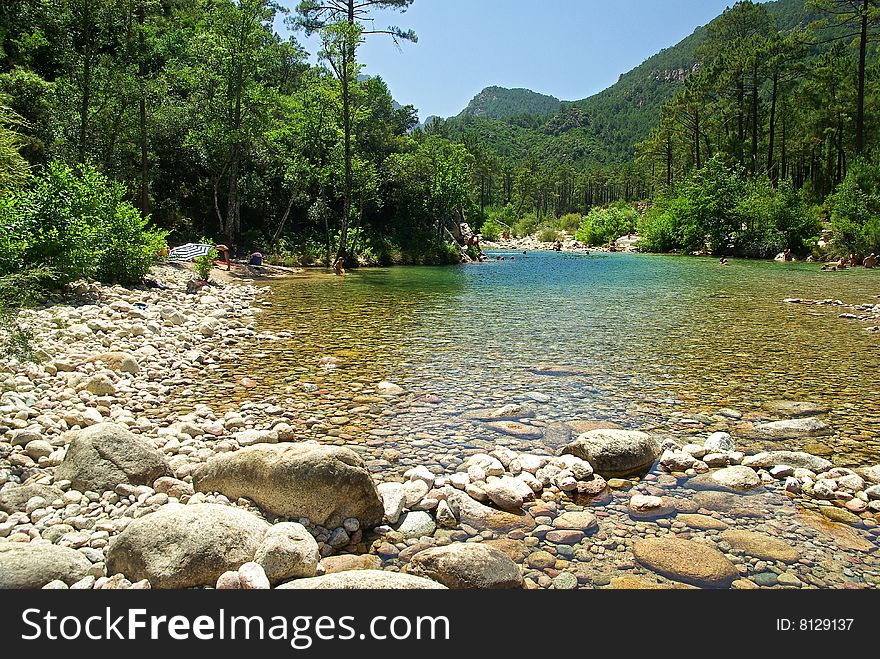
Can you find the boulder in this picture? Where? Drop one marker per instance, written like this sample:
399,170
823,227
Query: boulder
467,566
326,484
615,453
794,459
719,442
364,580
105,455
687,561
288,551
393,500
416,525
348,562
29,565
186,546
14,497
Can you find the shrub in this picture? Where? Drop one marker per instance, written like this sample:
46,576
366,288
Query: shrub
204,264
570,223
601,226
855,210
547,235
491,230
526,226
76,224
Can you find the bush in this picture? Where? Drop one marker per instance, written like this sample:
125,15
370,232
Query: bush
547,235
601,226
76,224
491,230
570,223
855,210
204,264
526,226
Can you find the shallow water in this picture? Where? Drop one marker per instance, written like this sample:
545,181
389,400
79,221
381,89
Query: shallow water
655,342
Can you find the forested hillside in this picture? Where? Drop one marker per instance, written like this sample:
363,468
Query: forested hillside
501,103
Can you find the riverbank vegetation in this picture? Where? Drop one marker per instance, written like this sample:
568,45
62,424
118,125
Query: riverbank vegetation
207,118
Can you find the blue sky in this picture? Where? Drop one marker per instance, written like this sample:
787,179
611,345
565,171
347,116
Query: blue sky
570,49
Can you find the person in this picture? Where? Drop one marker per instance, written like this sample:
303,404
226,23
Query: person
224,256
723,261
339,266
853,259
841,264
786,255
612,247
256,259
164,252
871,261
557,246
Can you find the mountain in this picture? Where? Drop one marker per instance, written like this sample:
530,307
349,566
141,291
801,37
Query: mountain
501,103
602,129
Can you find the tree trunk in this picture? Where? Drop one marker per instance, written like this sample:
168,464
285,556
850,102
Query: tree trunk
754,159
348,59
697,137
860,109
142,77
771,169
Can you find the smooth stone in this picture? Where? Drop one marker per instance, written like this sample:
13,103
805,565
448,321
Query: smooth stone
364,580
615,453
28,565
760,545
467,566
288,551
687,561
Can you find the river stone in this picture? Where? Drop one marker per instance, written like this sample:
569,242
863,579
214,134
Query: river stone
505,413
508,493
393,500
186,546
844,536
416,524
760,545
467,566
795,459
701,522
687,561
516,429
28,565
581,426
632,582
577,521
841,515
724,501
793,429
364,580
326,484
14,497
719,442
556,435
105,455
348,562
121,362
288,551
791,408
650,507
736,478
615,453
473,513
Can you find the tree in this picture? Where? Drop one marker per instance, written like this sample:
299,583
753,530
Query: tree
860,19
341,44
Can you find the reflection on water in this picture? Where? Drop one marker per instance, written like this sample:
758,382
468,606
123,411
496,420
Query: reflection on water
654,342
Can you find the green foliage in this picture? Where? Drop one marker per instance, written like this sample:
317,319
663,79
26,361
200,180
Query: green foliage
570,222
14,169
603,225
203,265
77,224
501,103
718,210
19,290
526,225
548,235
491,230
855,210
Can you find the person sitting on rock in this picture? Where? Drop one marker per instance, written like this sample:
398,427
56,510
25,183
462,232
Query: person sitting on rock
224,256
871,261
339,266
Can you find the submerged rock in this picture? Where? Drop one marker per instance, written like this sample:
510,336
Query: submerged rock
794,459
467,566
760,545
687,561
793,429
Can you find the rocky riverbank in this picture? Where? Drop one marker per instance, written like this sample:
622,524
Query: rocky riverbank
112,479
865,313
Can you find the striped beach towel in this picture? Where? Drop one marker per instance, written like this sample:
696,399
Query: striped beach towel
189,252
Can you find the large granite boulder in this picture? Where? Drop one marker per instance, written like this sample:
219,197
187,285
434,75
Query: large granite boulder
467,566
186,546
364,580
615,453
105,455
288,551
326,484
29,565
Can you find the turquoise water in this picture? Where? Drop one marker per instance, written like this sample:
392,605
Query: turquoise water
650,342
